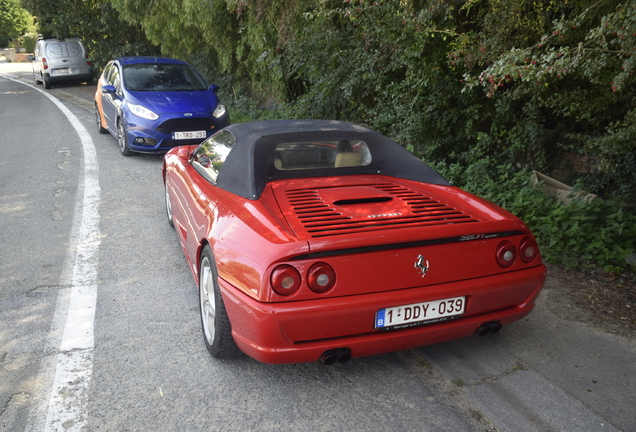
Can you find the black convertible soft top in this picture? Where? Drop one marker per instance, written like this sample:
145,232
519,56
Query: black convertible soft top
250,164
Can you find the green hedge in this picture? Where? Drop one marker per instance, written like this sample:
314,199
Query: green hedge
598,235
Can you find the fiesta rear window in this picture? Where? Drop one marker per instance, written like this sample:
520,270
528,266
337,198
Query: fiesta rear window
304,155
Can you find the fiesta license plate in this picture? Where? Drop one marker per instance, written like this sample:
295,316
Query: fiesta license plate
60,71
188,135
419,313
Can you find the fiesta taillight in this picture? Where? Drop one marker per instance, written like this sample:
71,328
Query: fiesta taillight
321,277
528,250
285,280
506,254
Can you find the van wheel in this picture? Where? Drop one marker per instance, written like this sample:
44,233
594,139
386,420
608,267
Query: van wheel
46,81
122,139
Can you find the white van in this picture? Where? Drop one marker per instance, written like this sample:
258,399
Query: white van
56,60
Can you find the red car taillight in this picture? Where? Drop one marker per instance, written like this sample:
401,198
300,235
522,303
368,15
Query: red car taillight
321,277
528,250
44,64
285,280
88,60
506,254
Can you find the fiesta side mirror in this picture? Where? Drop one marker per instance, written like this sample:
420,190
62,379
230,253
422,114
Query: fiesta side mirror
214,88
108,89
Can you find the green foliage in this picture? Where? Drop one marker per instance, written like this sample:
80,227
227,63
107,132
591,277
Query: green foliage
572,64
29,42
600,234
393,77
615,157
14,21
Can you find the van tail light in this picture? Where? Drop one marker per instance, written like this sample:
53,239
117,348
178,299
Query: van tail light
285,280
321,277
88,60
44,64
506,254
528,250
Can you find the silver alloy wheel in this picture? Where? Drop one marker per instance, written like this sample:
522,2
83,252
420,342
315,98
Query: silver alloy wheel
98,120
121,136
121,139
207,296
169,207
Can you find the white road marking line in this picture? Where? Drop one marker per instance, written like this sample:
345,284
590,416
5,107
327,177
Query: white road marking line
67,410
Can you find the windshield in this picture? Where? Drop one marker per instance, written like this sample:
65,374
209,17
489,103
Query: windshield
162,77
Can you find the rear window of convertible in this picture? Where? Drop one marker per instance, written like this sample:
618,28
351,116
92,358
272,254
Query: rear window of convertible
303,155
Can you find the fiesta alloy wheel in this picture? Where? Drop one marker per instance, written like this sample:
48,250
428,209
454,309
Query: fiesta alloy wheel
122,140
98,120
169,207
217,331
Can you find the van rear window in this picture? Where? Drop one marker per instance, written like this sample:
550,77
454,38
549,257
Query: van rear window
64,49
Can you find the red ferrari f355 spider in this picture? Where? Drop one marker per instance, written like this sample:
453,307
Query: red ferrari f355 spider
314,239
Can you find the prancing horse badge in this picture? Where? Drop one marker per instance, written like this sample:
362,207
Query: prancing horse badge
422,264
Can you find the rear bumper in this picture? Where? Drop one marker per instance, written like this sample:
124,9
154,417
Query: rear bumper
295,332
86,76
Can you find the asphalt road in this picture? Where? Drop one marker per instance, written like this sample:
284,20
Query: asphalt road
82,225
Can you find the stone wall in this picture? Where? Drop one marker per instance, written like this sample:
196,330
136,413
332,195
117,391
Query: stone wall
11,56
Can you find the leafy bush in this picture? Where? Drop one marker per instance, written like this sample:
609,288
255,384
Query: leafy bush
28,42
614,155
598,234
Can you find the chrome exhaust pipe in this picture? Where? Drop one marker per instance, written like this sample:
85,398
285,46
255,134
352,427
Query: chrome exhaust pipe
328,358
344,355
490,327
341,355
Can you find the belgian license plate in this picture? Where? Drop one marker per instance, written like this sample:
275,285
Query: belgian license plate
188,135
419,313
60,71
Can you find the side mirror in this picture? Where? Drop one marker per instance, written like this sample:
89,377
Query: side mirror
214,88
31,58
108,89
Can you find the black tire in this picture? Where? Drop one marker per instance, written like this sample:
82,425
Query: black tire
217,330
46,81
169,208
98,121
122,140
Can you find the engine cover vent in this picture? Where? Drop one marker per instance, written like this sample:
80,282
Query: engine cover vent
338,210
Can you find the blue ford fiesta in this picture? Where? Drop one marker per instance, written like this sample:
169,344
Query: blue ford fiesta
152,104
